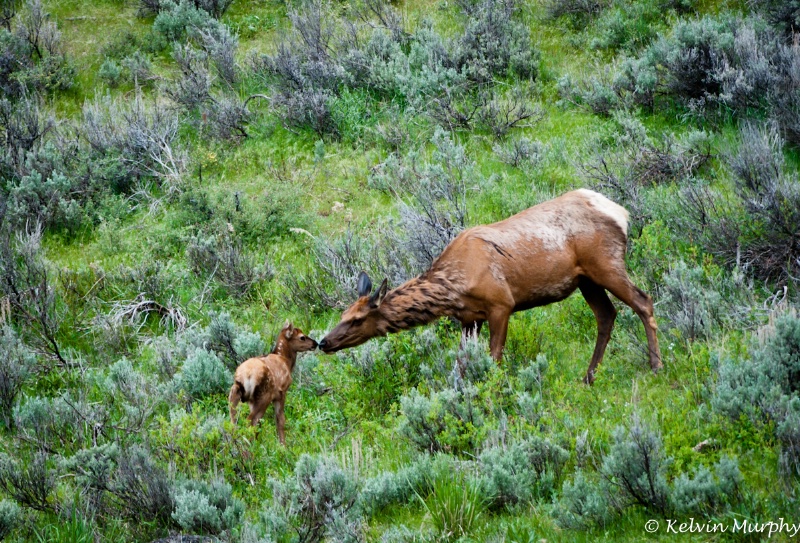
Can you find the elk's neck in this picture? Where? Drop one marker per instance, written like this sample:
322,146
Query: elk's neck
283,350
419,301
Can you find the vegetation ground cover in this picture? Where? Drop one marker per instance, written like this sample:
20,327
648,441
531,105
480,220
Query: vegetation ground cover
177,179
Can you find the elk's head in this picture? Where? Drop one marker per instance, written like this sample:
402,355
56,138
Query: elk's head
295,339
361,321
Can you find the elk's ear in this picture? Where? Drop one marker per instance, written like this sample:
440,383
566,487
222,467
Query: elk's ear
364,284
377,298
288,328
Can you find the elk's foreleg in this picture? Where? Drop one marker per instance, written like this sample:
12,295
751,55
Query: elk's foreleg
605,313
498,328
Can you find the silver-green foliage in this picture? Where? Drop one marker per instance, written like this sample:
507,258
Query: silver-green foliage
692,305
317,503
446,420
31,483
708,490
16,363
634,473
582,503
202,374
9,517
206,507
401,486
767,387
526,469
635,468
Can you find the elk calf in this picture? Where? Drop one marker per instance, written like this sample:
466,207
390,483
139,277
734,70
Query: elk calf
264,380
537,257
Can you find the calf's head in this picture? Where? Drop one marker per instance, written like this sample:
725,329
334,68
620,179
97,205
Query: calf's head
295,339
361,321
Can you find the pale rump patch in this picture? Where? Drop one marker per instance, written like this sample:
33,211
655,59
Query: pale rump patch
606,206
249,386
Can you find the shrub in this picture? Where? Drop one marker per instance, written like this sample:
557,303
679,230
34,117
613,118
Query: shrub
316,503
770,196
224,259
582,504
433,205
594,94
784,97
16,363
788,434
206,507
45,421
9,517
225,339
139,67
331,281
759,387
142,139
580,12
324,58
624,171
110,72
31,484
634,473
221,46
142,489
691,304
629,25
524,470
193,88
502,113
494,44
443,421
784,15
175,20
33,58
706,492
134,394
27,285
24,126
705,63
215,8
521,153
635,468
203,373
403,485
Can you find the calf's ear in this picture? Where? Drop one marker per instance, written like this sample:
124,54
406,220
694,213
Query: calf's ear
364,284
288,328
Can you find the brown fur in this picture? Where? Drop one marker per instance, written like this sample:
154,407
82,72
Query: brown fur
264,380
537,257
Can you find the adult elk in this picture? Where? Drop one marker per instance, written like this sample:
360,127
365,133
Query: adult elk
534,258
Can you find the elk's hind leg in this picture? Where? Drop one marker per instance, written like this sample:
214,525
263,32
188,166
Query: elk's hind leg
234,398
605,314
619,284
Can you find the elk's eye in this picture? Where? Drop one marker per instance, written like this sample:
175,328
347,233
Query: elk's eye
356,322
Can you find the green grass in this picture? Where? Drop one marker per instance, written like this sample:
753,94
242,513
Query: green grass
356,417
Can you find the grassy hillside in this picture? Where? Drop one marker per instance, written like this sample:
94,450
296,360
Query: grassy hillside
179,180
